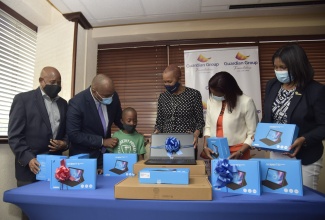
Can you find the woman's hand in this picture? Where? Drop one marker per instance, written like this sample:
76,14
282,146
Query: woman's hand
236,155
297,144
208,152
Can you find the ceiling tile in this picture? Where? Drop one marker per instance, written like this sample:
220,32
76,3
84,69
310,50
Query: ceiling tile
154,7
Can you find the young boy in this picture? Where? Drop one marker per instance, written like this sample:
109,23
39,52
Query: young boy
130,141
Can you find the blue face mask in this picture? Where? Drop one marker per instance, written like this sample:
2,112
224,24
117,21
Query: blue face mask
283,76
218,98
173,88
105,101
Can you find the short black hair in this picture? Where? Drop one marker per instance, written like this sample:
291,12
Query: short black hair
297,63
225,83
128,109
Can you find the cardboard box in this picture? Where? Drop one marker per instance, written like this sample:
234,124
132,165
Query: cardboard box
119,164
83,174
79,156
199,188
275,137
198,169
245,180
45,168
281,176
220,147
164,175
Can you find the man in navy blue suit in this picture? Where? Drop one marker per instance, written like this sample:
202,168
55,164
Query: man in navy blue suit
37,125
90,116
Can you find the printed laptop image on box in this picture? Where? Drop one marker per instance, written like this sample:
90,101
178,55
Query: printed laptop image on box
275,179
76,177
120,167
273,137
238,181
159,156
119,164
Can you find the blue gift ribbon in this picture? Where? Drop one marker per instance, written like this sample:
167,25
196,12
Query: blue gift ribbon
225,172
172,146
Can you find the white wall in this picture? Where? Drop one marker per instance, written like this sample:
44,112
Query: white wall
7,181
54,48
86,59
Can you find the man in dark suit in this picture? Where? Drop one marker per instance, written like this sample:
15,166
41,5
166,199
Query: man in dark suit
37,125
90,116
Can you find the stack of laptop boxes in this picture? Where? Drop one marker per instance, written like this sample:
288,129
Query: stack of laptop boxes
81,171
156,177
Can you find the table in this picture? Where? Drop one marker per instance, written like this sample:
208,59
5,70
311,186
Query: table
39,202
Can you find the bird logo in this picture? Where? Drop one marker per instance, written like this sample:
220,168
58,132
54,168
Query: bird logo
203,59
204,104
240,56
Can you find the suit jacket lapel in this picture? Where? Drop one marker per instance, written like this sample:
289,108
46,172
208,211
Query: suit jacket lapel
41,107
62,113
293,104
93,108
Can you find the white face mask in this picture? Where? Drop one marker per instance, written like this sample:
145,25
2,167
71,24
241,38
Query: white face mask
283,76
218,98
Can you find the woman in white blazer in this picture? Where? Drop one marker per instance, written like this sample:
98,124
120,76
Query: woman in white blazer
230,114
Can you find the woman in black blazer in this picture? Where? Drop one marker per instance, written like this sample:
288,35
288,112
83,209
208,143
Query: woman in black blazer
293,97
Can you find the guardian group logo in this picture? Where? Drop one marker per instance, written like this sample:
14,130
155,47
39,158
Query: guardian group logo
203,62
241,60
240,56
203,59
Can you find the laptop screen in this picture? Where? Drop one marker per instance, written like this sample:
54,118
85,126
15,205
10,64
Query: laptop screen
120,164
274,135
75,174
157,149
275,176
238,177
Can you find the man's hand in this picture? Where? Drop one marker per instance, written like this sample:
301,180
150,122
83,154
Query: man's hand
110,142
34,166
56,145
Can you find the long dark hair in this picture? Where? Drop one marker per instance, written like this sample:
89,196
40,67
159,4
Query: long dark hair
225,83
296,60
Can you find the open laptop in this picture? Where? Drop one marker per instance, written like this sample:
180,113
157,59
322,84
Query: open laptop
238,181
275,179
159,156
76,177
120,167
273,137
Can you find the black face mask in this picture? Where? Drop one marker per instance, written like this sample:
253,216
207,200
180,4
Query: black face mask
52,90
129,128
173,88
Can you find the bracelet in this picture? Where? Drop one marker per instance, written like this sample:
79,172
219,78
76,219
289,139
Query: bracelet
240,153
205,147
